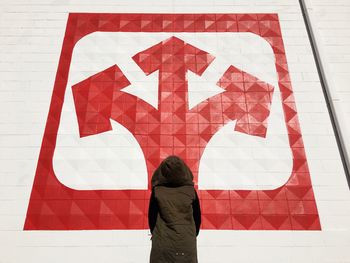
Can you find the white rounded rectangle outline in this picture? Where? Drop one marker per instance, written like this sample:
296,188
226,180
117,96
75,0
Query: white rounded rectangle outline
114,160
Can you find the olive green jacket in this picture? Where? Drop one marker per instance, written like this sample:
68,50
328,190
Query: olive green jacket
174,218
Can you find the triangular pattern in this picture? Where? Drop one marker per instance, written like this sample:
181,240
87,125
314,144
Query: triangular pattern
173,128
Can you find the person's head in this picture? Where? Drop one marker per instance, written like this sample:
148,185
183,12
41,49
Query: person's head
172,171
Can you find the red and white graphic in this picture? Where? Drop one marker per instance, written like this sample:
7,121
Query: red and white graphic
132,89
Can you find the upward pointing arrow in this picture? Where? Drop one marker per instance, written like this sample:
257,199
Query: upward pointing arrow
173,58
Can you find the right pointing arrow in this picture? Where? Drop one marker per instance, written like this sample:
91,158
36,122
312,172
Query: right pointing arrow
245,99
251,100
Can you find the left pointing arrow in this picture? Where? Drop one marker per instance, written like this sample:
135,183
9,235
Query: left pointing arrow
93,99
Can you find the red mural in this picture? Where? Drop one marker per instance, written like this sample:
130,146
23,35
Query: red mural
172,128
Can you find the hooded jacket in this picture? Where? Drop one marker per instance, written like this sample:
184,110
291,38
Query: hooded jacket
174,214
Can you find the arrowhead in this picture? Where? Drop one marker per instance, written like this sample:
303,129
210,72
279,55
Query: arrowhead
93,99
173,54
173,58
243,89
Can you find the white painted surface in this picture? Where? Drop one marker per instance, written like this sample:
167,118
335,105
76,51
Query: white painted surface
330,22
31,38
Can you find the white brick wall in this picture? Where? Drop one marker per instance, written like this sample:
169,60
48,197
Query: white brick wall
330,21
31,34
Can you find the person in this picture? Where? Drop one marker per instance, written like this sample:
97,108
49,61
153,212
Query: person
174,214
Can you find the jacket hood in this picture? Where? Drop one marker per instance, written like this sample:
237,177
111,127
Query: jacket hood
172,172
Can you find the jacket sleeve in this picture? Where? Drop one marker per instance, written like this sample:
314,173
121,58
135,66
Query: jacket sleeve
196,212
152,212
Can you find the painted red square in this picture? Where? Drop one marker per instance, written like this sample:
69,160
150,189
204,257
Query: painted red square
53,206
